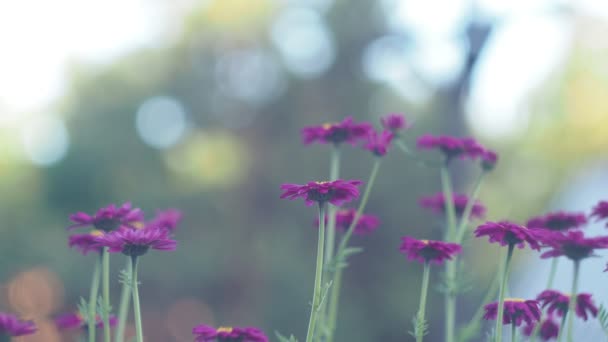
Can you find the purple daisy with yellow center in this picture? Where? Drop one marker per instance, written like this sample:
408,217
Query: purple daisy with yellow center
378,143
108,218
205,333
74,320
452,147
600,211
86,243
394,122
516,311
136,242
335,192
437,204
572,244
549,329
559,220
557,302
426,251
11,326
509,234
337,133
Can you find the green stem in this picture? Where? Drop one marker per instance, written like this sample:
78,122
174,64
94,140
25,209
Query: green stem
562,327
106,294
501,294
572,304
420,321
446,185
472,328
409,153
334,300
125,299
450,296
316,295
136,307
92,320
466,215
552,273
513,333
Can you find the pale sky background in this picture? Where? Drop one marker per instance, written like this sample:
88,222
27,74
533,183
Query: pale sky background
39,39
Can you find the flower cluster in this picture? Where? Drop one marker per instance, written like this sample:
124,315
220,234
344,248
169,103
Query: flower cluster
437,204
337,133
205,333
335,192
507,233
428,251
572,244
345,217
516,311
557,302
11,326
559,220
108,218
394,122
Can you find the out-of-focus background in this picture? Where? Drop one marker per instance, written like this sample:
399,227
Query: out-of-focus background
197,105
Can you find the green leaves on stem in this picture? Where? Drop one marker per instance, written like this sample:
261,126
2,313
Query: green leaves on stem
421,326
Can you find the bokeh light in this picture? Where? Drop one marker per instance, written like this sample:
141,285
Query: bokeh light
45,140
186,313
161,121
36,292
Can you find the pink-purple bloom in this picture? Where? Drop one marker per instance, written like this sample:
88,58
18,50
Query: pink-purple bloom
600,211
452,147
394,122
559,220
74,320
205,333
108,218
489,159
335,192
85,243
428,250
336,133
549,329
378,143
166,219
557,302
507,234
437,204
516,311
10,325
572,244
365,225
136,242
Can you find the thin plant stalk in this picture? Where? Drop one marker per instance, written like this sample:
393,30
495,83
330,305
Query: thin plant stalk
334,172
513,332
125,300
94,291
139,335
105,276
562,327
501,293
334,300
450,296
466,214
572,304
420,320
475,322
316,295
409,153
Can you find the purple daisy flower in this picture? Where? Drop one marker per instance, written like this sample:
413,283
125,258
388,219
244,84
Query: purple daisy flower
572,244
108,218
394,122
74,320
559,220
336,133
557,302
600,211
205,333
548,329
516,311
136,242
451,146
507,233
85,243
335,192
365,225
489,159
378,144
12,326
428,250
437,204
166,219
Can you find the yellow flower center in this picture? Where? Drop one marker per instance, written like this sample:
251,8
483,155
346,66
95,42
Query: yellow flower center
328,125
137,225
97,232
519,300
323,182
426,242
225,329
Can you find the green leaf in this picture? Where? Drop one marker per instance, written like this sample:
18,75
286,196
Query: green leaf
421,327
285,339
602,317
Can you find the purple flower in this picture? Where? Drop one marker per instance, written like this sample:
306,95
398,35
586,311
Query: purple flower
345,217
600,211
136,242
205,333
74,320
108,218
559,220
557,302
437,204
166,219
508,233
489,159
85,243
428,250
12,326
394,122
336,133
451,146
516,311
378,144
335,192
548,329
573,244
